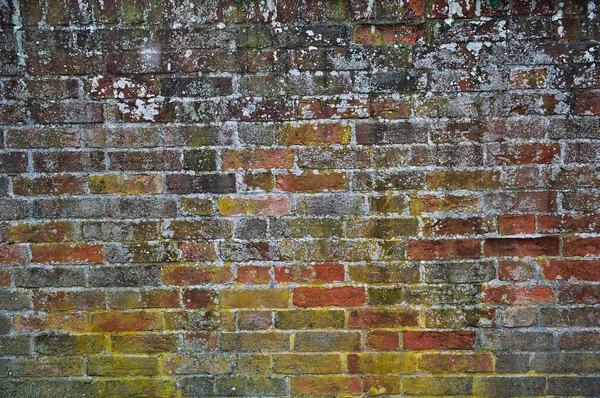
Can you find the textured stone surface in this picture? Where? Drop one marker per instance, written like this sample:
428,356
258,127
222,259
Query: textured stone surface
299,198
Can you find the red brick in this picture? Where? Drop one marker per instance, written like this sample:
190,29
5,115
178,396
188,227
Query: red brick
320,273
322,297
124,321
511,294
581,247
198,298
196,275
49,185
311,182
572,270
66,253
511,154
13,254
198,251
383,340
253,274
385,318
516,224
587,103
69,301
455,340
72,322
434,249
525,247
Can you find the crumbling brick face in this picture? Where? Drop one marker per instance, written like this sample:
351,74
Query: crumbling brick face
299,198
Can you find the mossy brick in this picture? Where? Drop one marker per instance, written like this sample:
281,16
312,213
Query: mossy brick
247,386
255,341
309,319
458,318
40,277
200,160
459,271
327,341
381,228
251,228
442,294
46,367
69,344
307,363
257,159
156,387
325,385
253,364
384,272
199,320
324,157
254,320
451,385
124,276
15,345
126,185
260,298
199,229
69,207
144,343
74,387
43,138
201,363
261,205
148,298
255,250
302,227
12,209
463,363
381,296
383,340
5,324
398,180
122,366
204,183
382,363
313,134
45,232
197,136
511,386
14,300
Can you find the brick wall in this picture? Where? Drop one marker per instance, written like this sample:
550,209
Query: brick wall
299,198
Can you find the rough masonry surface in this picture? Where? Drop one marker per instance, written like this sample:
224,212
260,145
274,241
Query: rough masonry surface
219,198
